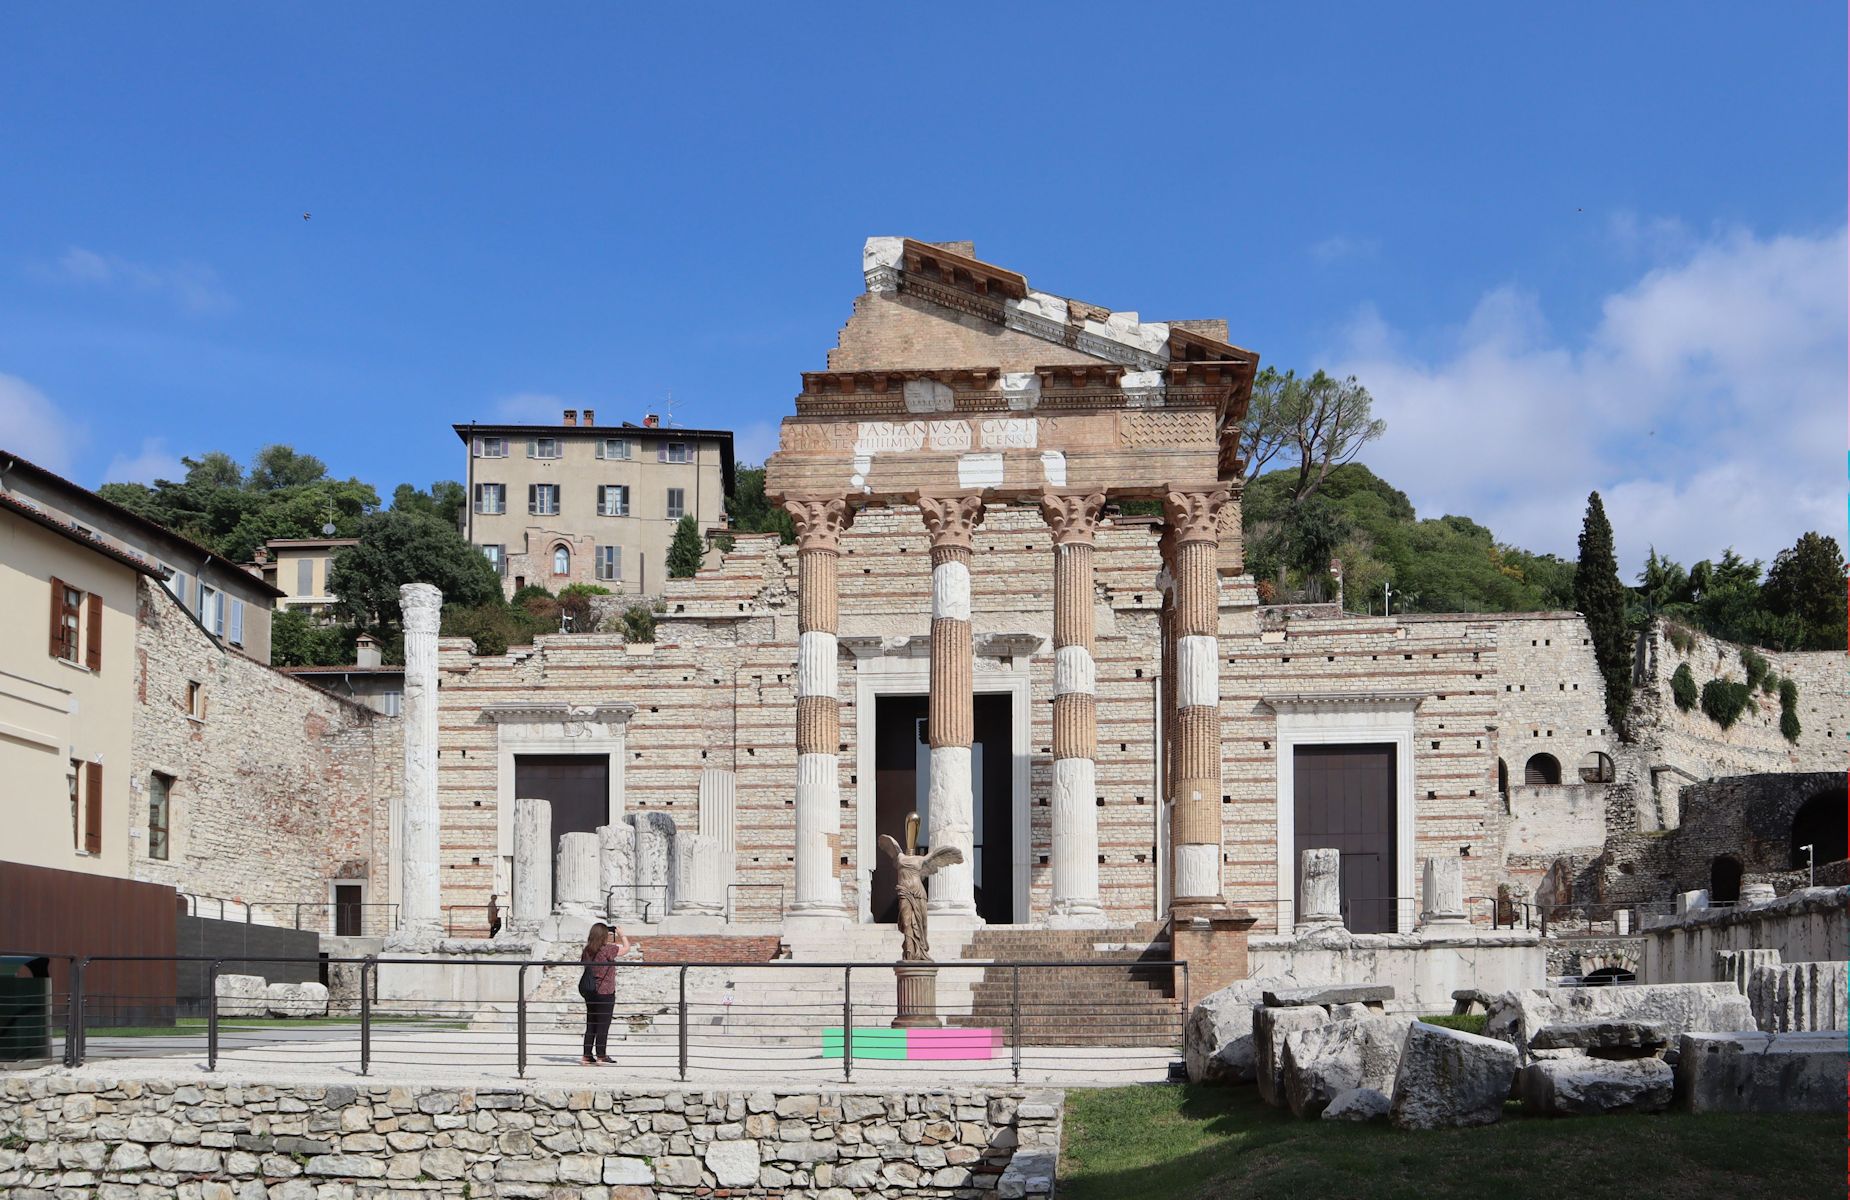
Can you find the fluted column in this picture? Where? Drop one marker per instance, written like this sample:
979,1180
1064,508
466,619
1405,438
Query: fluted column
819,526
1195,824
1074,519
951,717
420,900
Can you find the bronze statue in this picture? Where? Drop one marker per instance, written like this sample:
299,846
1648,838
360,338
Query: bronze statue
914,869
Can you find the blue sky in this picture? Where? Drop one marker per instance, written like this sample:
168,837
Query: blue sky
1566,247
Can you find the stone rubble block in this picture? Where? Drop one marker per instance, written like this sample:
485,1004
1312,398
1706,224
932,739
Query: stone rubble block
1217,1043
295,1000
242,996
1516,1017
1759,1072
1800,997
1604,1039
1583,1086
1270,1027
1341,1056
1449,1079
1372,994
1738,966
1357,1104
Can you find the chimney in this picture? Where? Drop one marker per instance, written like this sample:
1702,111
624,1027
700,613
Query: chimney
366,651
590,416
571,416
650,421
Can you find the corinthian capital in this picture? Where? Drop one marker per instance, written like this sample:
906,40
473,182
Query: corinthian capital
1073,519
951,519
1193,516
820,522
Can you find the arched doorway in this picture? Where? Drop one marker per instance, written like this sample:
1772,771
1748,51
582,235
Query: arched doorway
1542,770
1823,824
1725,879
1607,976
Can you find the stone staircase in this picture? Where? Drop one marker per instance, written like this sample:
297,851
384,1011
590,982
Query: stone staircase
1078,1005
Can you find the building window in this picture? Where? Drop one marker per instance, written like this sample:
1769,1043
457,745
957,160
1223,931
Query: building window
195,700
159,788
491,498
497,558
66,620
305,577
613,500
490,447
1542,770
613,448
77,821
392,703
543,448
561,560
86,807
609,562
674,452
176,583
543,499
677,503
209,609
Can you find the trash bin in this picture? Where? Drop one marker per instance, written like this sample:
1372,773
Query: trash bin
25,1008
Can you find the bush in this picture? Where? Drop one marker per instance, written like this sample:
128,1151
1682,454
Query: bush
1788,694
1789,709
1681,638
1789,725
1463,1022
1724,701
1769,685
530,592
1683,687
1756,666
638,624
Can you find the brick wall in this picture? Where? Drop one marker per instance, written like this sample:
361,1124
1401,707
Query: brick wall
278,788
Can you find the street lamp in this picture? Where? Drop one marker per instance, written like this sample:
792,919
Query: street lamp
1811,866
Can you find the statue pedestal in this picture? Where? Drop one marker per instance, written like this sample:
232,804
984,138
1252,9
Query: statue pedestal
918,996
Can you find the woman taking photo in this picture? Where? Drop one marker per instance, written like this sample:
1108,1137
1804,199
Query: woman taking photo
597,983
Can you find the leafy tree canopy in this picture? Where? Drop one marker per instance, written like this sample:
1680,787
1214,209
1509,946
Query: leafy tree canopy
397,548
685,551
748,511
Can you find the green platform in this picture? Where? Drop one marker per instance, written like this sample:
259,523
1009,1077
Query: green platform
868,1043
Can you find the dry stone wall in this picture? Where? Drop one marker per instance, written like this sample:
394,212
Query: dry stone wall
116,1138
278,787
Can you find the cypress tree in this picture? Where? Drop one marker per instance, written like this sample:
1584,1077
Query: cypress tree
1601,599
685,552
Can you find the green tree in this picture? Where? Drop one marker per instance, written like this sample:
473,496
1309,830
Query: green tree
444,501
685,552
277,467
299,640
747,510
1806,583
398,548
1601,599
1683,687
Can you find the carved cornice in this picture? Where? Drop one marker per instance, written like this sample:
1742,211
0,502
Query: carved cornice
820,523
1073,519
529,712
1344,702
1193,516
918,645
950,519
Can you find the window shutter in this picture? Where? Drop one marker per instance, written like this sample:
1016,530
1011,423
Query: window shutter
533,497
600,449
661,452
57,617
476,447
93,633
93,808
237,622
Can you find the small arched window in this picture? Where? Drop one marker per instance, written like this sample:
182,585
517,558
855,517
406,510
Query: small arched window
1821,824
1542,770
1596,768
1725,879
561,560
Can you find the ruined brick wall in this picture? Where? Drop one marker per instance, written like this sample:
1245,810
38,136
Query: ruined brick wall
278,788
899,332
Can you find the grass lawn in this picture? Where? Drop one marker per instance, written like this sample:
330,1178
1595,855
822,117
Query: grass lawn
1192,1143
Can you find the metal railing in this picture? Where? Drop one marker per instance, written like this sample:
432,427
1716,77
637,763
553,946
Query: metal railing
323,916
733,907
672,1019
1584,919
493,918
644,909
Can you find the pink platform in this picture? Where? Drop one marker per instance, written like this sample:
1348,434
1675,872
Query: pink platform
952,1043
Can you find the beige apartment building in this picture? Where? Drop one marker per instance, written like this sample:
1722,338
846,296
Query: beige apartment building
580,502
298,568
67,692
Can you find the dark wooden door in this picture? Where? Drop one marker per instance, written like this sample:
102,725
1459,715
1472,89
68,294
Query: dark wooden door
902,767
1344,799
347,910
577,786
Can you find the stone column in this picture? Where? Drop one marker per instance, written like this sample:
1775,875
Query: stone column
616,881
819,526
951,717
654,891
420,909
577,875
1442,892
531,898
1192,520
1076,903
1320,903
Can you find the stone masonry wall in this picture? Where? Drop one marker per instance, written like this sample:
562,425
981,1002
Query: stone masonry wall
118,1138
277,789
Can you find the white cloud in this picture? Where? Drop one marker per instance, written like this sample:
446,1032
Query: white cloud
32,427
1705,406
195,287
153,461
